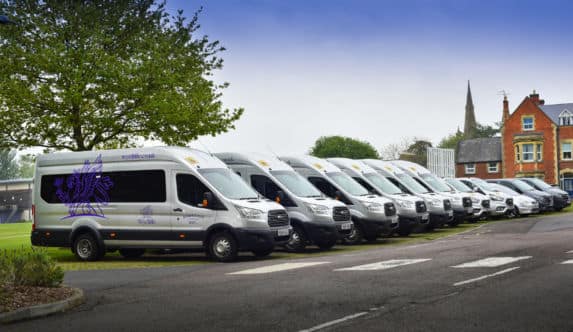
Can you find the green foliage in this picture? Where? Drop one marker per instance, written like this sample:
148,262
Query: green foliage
417,152
8,164
346,147
487,130
26,166
86,74
451,141
29,268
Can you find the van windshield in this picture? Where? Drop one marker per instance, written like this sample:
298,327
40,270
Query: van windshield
522,185
504,189
539,183
228,183
348,184
296,184
411,184
435,183
459,185
383,184
483,185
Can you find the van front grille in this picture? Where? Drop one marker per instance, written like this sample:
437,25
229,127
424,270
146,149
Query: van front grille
485,203
389,209
447,205
421,207
278,218
509,201
340,213
467,202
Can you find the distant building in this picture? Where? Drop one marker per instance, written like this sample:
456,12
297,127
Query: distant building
15,200
479,157
538,142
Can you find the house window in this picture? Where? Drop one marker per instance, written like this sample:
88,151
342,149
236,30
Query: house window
565,118
492,167
527,123
566,151
527,152
470,168
517,154
539,152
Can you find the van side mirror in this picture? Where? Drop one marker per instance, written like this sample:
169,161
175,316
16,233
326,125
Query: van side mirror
207,198
338,195
280,196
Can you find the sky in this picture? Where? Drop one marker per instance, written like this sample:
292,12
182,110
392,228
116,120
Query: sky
379,71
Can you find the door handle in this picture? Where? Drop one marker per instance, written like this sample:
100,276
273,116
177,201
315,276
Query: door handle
178,210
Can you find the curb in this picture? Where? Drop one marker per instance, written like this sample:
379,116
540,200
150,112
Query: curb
42,310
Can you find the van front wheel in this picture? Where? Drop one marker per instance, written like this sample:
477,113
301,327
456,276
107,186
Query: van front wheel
87,248
223,247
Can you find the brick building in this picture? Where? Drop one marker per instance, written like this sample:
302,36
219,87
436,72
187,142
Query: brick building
537,141
479,157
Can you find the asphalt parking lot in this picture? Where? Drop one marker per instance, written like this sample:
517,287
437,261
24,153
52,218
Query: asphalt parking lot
504,276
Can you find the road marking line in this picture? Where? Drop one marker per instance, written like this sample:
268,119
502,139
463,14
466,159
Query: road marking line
492,262
569,252
486,276
334,322
568,262
277,268
384,265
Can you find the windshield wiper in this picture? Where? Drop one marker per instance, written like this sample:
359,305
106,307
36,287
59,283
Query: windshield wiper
247,198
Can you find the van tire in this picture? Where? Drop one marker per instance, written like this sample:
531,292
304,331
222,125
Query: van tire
222,247
87,248
297,241
131,253
355,236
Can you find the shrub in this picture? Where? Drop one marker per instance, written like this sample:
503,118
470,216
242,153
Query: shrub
31,267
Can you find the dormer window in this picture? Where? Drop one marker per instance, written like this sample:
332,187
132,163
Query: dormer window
566,118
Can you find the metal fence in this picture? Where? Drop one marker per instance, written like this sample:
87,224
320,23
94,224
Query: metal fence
442,162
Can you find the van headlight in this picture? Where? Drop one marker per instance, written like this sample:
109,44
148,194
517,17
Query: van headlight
251,214
436,202
318,210
405,204
374,207
496,198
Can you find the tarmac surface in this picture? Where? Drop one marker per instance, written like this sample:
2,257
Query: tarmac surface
504,276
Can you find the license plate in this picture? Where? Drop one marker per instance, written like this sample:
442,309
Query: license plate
450,213
425,216
346,226
283,232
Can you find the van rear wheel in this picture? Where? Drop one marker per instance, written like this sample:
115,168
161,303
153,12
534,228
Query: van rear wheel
355,236
87,248
131,253
223,247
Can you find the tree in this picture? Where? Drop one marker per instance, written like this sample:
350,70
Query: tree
451,141
393,151
8,164
88,74
339,146
26,166
417,152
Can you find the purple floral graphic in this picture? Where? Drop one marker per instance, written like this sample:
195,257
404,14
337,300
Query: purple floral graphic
85,191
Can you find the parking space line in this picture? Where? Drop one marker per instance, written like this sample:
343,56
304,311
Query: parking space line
334,322
486,276
384,265
277,268
492,262
569,252
568,262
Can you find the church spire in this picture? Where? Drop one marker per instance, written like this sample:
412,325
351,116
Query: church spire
470,124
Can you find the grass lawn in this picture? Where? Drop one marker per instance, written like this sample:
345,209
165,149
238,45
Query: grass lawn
15,236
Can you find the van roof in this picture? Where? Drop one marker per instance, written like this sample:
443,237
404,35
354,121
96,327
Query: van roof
384,166
411,167
351,164
261,160
192,157
306,161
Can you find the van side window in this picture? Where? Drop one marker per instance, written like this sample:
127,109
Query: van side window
190,190
146,186
327,188
269,189
366,185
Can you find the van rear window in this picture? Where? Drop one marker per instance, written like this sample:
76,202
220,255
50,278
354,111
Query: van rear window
146,186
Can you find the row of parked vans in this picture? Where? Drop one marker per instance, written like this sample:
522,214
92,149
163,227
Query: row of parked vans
180,198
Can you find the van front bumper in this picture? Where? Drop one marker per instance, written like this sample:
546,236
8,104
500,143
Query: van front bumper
439,219
319,233
374,227
252,240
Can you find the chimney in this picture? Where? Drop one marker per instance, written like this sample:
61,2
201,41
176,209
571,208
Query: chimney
535,98
505,113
